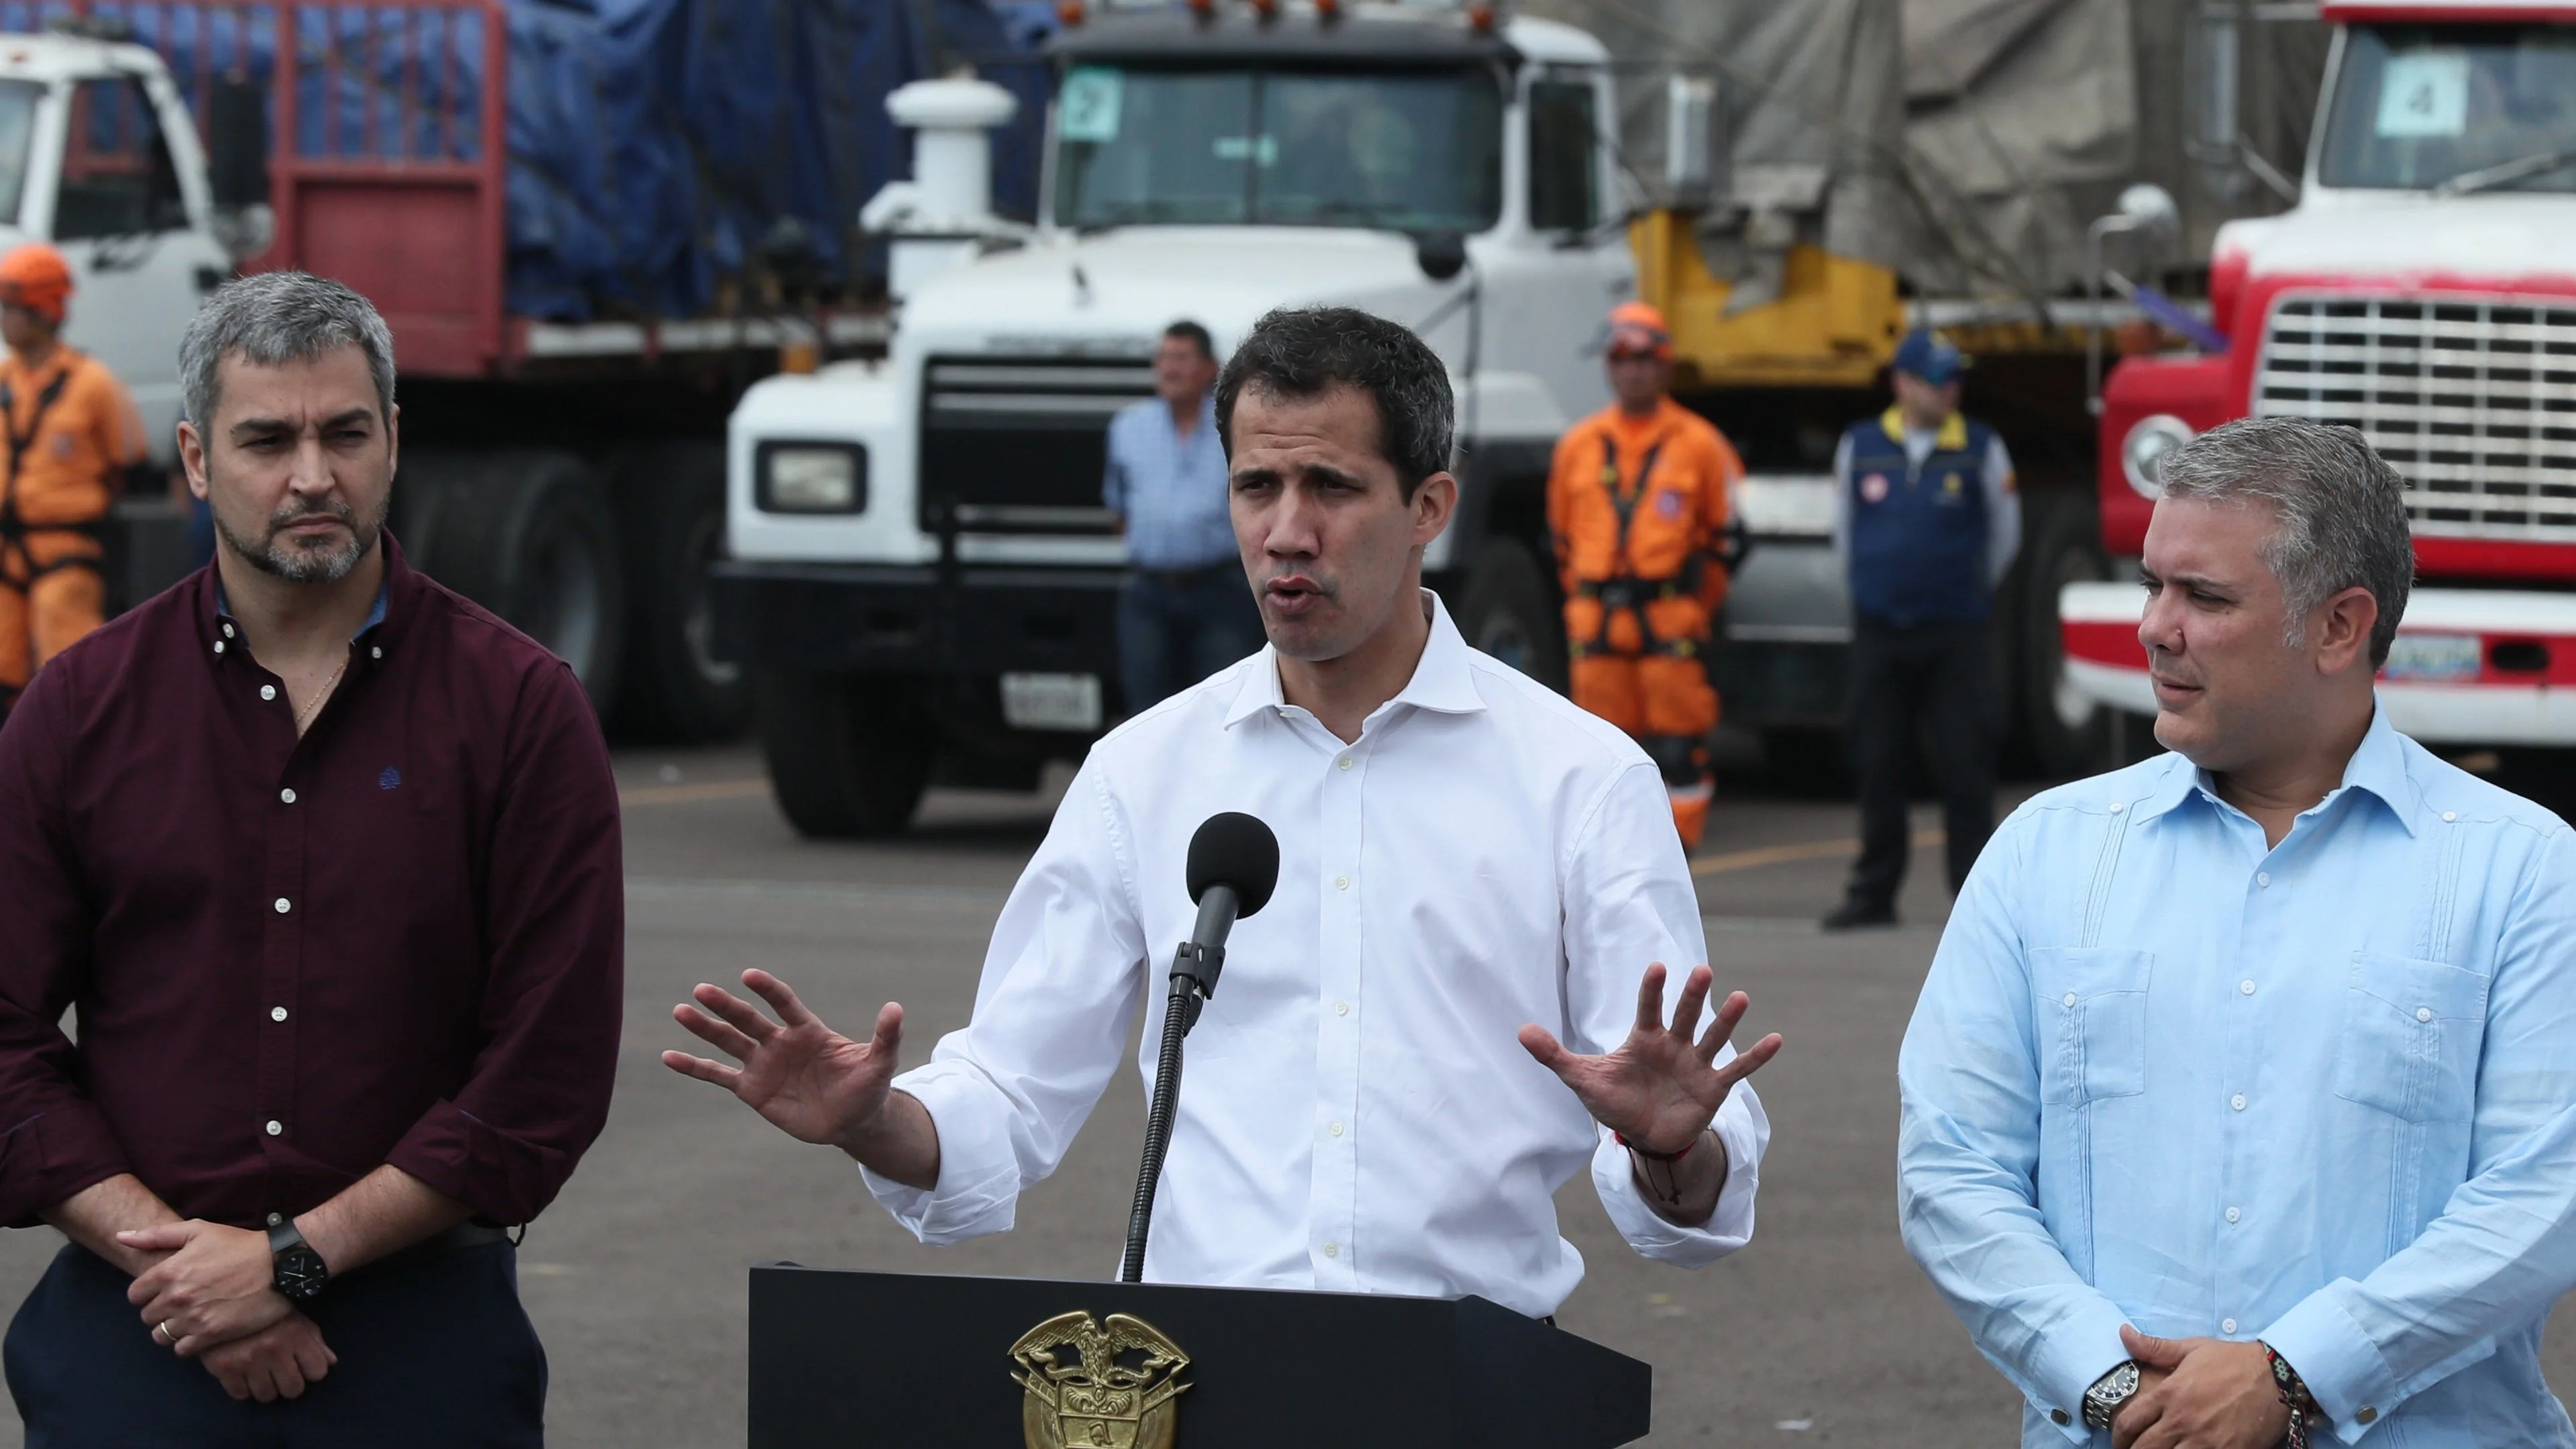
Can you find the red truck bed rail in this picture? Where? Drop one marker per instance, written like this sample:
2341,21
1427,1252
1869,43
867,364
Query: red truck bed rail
388,162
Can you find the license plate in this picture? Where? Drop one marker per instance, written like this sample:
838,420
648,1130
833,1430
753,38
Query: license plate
2432,658
1051,701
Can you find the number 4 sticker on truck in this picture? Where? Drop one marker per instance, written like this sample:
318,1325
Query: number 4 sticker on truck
1087,107
2424,93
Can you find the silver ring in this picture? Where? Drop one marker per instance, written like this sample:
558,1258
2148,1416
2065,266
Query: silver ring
163,1328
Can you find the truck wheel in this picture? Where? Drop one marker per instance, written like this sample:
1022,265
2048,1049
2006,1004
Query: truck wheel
2065,733
672,502
844,760
530,536
1509,612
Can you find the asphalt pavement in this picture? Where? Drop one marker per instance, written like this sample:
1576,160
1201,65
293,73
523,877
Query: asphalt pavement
1821,1331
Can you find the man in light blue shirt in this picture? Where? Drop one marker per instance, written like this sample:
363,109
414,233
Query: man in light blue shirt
1185,611
2266,1046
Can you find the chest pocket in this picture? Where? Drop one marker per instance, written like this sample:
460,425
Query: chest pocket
2412,1032
2090,1013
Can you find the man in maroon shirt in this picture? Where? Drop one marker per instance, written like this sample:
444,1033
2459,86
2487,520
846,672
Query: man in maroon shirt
326,860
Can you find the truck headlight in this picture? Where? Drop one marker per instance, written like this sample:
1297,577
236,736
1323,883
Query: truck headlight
811,477
2143,452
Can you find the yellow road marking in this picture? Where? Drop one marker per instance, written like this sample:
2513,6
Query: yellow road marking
691,794
1735,860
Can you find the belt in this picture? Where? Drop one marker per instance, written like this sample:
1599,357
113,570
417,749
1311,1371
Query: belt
455,1240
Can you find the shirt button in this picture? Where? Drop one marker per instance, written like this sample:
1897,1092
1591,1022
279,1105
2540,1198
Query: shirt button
1335,1129
2447,817
2070,998
2118,806
2263,878
283,906
1346,762
287,795
1332,1250
275,1126
2237,1101
268,691
2423,1013
1341,1008
2227,1325
2058,1416
2245,986
219,646
1341,882
277,1013
376,653
2365,1413
2234,1214
228,631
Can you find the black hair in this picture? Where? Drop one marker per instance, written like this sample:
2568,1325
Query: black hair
1296,353
1195,335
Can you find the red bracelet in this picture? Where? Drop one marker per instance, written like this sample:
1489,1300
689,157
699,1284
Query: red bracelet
1653,1156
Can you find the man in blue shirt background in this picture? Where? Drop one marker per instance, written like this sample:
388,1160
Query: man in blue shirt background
2265,1047
1186,611
1926,523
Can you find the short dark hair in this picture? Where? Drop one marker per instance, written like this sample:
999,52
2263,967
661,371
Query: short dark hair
1195,335
1296,353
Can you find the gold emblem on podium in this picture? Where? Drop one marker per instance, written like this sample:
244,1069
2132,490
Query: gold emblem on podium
1091,1385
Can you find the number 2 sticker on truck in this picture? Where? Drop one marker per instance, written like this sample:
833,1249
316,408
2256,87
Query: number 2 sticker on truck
1087,107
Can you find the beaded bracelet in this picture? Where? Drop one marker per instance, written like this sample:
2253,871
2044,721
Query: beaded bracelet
2294,1397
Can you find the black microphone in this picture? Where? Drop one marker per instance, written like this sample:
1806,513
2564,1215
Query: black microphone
1233,867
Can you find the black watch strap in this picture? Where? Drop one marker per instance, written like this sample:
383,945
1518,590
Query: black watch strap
298,1271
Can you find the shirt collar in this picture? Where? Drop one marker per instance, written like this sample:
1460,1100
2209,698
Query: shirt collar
1951,438
2377,768
1443,681
397,572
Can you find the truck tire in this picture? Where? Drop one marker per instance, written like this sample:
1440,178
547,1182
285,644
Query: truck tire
528,535
847,758
2063,734
1508,611
674,690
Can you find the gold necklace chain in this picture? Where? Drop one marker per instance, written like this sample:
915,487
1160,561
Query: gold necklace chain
305,717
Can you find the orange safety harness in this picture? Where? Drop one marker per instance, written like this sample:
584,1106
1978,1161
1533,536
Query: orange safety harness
1624,590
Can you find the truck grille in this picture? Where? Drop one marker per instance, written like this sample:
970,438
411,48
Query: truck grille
1014,445
2471,399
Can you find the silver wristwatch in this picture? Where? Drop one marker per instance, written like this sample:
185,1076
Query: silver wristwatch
2102,1402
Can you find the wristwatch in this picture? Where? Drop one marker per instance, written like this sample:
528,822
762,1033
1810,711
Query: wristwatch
2103,1401
301,1274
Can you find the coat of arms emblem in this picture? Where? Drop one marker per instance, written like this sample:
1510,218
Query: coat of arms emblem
1091,1385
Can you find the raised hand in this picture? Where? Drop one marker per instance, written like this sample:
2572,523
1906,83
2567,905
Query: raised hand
1662,1087
808,1080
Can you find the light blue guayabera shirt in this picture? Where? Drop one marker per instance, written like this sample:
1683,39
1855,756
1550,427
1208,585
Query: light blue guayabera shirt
1170,489
2322,1094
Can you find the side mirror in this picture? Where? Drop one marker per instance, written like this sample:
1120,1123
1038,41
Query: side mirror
1690,106
2151,212
1441,254
237,144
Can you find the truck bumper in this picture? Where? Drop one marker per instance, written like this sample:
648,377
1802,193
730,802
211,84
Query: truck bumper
2469,667
872,619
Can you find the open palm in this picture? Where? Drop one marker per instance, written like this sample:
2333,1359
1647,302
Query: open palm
1662,1087
808,1080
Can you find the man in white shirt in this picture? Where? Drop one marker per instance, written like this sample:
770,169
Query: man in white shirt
1448,1006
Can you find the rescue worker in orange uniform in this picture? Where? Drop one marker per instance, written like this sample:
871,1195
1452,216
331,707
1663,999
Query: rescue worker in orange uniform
73,435
1639,503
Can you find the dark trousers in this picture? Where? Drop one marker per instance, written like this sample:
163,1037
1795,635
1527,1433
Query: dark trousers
435,1352
1175,629
1926,682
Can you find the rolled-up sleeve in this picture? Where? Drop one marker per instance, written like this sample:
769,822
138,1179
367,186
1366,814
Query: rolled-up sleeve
537,1094
53,1141
1630,903
1061,985
1968,1157
2503,1248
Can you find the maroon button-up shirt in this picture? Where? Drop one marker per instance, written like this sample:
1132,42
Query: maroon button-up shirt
398,939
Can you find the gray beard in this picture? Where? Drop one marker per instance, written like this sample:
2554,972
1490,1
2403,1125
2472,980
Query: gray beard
300,565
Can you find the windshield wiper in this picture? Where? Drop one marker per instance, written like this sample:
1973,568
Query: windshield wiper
2486,178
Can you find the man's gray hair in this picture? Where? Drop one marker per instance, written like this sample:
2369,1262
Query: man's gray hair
269,318
2342,512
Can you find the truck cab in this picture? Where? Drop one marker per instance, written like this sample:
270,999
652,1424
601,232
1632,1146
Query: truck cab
923,576
2420,292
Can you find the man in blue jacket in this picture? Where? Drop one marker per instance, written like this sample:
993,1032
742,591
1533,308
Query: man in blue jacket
1925,523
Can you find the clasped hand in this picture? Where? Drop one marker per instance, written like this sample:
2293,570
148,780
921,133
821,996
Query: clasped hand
1662,1087
212,1299
2199,1393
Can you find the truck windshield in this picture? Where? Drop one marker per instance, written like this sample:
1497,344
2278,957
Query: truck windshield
1400,150
17,128
2454,108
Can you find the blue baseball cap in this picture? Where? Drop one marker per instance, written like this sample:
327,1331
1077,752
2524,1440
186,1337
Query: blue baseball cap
1930,356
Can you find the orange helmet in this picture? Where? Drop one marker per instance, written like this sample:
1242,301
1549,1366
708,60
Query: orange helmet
36,277
1636,327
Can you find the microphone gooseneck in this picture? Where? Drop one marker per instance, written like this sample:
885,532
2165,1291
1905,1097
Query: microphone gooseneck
1233,866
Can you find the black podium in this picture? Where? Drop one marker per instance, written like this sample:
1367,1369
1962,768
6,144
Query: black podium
860,1360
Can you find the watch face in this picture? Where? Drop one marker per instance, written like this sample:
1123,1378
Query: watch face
300,1273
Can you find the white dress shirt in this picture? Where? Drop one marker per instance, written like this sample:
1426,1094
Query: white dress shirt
1357,1113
